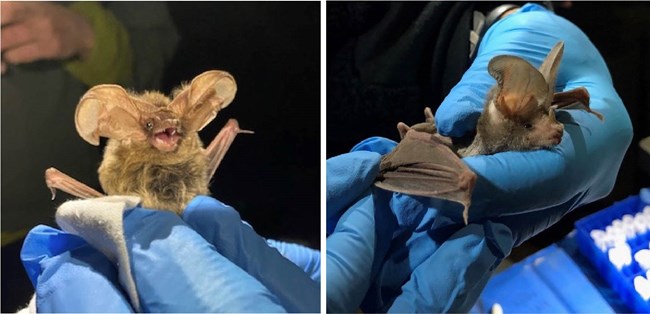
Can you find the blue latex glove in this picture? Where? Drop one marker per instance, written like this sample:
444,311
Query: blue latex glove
423,258
206,261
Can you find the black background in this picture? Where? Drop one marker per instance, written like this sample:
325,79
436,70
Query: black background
273,50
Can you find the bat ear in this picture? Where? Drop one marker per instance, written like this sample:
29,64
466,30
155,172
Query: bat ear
109,111
519,85
550,66
200,101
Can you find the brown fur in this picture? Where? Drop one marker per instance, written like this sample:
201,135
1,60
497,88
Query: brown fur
162,180
497,131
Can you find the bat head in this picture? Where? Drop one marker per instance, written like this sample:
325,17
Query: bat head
112,112
520,112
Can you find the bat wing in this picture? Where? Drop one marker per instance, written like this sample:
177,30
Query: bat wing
424,165
109,111
576,96
200,101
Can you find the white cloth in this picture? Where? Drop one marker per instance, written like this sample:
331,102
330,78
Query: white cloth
99,222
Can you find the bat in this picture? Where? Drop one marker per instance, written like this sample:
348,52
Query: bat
519,115
153,149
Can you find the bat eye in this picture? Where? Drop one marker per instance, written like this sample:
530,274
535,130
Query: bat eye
527,125
149,125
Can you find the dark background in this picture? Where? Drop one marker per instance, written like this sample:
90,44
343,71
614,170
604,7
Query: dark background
273,50
618,29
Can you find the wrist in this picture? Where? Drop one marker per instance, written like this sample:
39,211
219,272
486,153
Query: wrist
86,39
498,13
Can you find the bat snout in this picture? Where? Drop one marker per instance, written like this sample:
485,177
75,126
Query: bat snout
556,138
555,134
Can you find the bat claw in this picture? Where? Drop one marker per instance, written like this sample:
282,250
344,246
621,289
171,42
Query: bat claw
428,115
53,191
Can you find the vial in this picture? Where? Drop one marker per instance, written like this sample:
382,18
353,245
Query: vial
600,238
643,258
642,286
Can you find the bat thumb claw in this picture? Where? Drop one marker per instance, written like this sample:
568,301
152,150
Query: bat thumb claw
53,191
466,215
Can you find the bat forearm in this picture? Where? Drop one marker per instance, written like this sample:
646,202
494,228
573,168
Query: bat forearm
56,179
221,143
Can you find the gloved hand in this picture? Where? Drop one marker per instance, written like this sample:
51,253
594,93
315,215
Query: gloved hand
208,260
431,262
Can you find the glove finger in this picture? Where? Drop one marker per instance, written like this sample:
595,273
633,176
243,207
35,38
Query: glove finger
350,250
176,270
69,275
222,226
306,258
375,144
356,249
475,251
348,175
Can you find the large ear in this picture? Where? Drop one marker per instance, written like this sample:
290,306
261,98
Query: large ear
521,88
550,66
109,111
198,103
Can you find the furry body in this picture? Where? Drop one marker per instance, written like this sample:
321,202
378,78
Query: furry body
153,150
163,180
528,130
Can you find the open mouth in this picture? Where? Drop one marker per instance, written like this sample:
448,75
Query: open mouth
166,140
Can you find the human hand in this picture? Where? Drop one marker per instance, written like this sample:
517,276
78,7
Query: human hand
33,31
173,263
579,169
433,263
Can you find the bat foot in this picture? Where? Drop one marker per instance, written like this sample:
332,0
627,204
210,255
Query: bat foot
428,115
402,128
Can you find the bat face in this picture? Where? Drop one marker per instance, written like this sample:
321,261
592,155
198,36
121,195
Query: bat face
529,129
540,131
520,114
112,112
164,133
162,126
